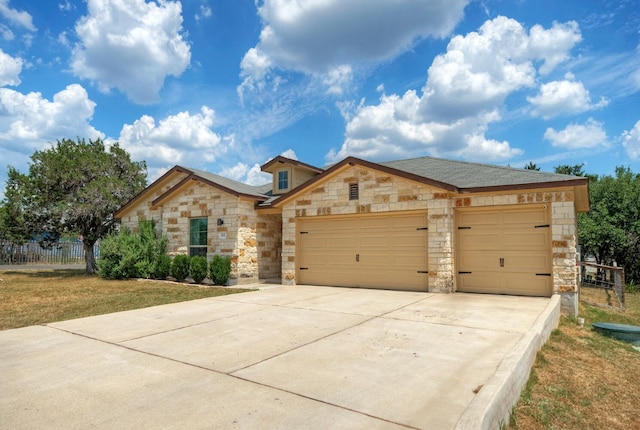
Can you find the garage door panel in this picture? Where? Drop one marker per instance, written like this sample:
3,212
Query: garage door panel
503,250
478,240
390,248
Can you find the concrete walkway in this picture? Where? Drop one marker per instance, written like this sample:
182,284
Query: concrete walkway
279,358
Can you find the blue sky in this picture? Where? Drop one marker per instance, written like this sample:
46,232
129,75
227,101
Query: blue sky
225,85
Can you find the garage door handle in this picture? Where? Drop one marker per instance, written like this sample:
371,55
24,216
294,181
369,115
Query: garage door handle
502,262
358,257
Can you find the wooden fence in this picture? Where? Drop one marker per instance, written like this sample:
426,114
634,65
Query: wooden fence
33,253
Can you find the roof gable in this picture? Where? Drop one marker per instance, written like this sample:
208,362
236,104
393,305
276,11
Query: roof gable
238,189
269,165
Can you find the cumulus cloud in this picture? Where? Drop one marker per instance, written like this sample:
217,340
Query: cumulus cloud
10,69
320,36
19,18
465,89
183,138
631,141
563,97
131,46
33,120
579,136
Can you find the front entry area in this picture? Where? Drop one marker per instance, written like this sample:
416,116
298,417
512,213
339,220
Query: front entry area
504,251
370,250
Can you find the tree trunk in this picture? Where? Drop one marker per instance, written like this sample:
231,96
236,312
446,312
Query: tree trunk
89,258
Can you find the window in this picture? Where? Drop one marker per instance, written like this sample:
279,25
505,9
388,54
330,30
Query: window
353,192
283,179
198,236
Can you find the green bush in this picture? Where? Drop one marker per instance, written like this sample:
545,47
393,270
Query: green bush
118,256
219,269
162,266
198,268
180,267
131,255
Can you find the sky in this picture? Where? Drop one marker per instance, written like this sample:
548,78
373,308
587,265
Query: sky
226,85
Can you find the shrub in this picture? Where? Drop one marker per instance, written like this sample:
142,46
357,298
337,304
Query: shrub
131,255
219,269
118,256
198,268
180,267
162,266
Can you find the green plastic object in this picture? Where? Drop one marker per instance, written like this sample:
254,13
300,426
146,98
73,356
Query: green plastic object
624,332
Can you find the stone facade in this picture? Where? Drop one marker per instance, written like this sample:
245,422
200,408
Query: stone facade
381,192
238,237
262,241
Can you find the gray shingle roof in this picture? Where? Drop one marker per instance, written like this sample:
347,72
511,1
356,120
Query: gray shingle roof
238,187
464,175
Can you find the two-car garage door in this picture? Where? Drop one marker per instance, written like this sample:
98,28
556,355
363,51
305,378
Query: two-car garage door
374,251
504,251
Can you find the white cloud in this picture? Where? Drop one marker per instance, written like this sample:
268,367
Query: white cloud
29,120
10,69
249,175
338,79
289,153
20,18
631,141
131,46
66,6
303,36
479,70
579,136
563,97
203,13
553,45
465,90
177,139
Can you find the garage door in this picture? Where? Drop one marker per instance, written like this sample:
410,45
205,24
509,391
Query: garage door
370,251
504,251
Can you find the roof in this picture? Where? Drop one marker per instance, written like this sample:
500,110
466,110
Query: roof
260,192
284,160
235,186
455,176
475,176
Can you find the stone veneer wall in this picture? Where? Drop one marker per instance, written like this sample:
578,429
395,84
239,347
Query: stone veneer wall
381,192
143,212
234,238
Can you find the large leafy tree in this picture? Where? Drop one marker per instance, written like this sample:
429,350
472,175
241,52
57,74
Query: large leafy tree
74,187
611,230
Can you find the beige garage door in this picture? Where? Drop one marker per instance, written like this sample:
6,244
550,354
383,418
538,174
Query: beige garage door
504,251
370,251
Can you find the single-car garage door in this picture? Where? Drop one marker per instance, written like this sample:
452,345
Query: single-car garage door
371,251
504,251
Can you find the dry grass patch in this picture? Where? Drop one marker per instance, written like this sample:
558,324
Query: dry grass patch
583,380
44,296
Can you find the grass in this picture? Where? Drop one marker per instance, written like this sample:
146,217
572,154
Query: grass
583,380
43,296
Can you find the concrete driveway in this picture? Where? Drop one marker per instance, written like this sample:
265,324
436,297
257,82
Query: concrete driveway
279,358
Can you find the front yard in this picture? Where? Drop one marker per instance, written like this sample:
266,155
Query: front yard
44,296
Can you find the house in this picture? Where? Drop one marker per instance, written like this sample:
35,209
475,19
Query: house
423,224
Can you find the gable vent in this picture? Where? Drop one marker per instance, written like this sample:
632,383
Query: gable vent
353,192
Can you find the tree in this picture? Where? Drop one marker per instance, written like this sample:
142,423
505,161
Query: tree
75,187
566,169
611,230
531,166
